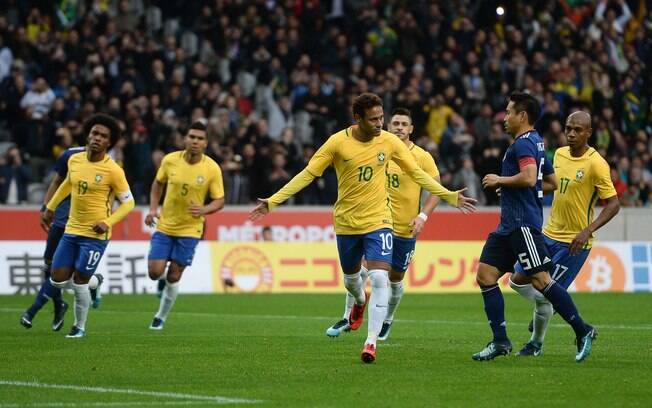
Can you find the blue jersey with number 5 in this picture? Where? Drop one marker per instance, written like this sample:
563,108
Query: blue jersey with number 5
521,207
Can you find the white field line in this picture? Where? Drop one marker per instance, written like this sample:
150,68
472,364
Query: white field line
335,317
129,391
105,404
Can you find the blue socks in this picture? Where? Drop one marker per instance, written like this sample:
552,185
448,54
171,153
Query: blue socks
494,307
46,292
564,305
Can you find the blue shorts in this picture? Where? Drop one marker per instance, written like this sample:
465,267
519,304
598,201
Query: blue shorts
54,236
565,267
374,246
81,253
181,250
524,245
402,253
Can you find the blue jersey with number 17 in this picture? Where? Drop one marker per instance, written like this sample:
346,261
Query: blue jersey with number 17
522,207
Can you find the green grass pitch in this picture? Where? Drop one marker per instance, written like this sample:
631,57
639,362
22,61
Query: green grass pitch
271,350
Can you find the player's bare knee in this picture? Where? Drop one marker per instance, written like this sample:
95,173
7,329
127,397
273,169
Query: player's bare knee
487,275
80,279
541,280
155,269
175,272
396,277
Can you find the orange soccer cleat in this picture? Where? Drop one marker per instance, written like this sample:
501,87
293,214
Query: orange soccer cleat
368,353
357,313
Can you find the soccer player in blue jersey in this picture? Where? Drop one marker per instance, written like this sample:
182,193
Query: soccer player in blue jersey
518,236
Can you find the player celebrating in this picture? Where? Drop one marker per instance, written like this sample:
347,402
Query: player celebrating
363,219
518,236
405,199
93,181
189,176
583,176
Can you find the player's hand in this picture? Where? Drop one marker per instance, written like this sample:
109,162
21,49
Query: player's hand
195,209
46,219
490,181
464,203
417,226
579,241
100,227
150,219
261,210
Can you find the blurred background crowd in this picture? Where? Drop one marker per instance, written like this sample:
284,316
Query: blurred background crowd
275,78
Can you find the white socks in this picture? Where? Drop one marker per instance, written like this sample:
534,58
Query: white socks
167,300
395,296
542,310
93,283
354,284
350,300
377,303
82,303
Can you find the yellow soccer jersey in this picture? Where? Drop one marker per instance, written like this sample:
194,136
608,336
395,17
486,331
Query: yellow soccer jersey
362,202
186,184
581,181
92,186
405,193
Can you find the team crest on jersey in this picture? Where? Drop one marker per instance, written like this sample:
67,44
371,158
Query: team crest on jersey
381,157
98,178
200,179
579,175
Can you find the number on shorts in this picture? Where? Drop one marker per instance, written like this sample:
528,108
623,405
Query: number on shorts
386,239
408,258
93,258
560,270
524,261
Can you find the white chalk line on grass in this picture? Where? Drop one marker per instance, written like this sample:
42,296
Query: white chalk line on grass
128,391
104,404
324,318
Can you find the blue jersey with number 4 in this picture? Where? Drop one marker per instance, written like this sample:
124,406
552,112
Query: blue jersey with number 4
522,207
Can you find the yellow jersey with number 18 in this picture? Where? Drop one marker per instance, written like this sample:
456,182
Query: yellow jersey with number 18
186,184
405,193
581,181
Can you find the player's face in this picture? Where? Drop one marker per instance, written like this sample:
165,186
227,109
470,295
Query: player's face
401,126
372,122
513,119
196,141
99,139
577,133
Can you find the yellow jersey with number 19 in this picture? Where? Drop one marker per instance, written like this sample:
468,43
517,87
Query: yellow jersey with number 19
581,181
186,184
405,193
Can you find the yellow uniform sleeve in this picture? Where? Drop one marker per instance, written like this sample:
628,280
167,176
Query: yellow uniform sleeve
322,159
406,162
428,165
603,182
121,189
216,188
64,190
161,174
298,183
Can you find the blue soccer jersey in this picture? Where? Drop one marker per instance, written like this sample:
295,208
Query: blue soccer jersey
522,207
61,167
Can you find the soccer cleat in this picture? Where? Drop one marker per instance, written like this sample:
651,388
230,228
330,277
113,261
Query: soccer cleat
57,323
157,324
493,350
384,331
75,333
26,321
531,348
585,344
357,314
368,353
96,296
337,328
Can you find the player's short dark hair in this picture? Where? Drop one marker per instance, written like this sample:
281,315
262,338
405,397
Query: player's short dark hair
198,125
365,101
107,121
403,112
528,103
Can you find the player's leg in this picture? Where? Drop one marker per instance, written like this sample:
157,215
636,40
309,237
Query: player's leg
342,325
536,263
350,250
541,315
183,252
47,290
496,259
402,254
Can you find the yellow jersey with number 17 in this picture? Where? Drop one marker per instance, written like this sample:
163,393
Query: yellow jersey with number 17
186,184
581,181
405,193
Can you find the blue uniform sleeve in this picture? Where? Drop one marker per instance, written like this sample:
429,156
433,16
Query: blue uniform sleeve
61,165
547,166
524,147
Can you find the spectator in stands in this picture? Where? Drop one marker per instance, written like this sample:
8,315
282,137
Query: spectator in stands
14,177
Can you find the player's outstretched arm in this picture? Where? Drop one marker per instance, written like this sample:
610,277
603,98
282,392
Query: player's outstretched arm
298,183
261,210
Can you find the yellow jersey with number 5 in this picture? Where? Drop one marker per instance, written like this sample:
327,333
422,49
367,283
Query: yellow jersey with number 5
405,193
581,181
186,184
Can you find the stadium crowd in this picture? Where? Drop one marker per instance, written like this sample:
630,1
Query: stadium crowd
275,78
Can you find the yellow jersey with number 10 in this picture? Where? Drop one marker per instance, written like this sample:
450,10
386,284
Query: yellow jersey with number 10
581,181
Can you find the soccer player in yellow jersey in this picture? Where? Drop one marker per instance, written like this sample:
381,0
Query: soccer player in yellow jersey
583,177
93,182
408,216
189,177
363,219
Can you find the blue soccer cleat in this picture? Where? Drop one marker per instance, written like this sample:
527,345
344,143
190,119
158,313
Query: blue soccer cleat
384,331
531,349
96,296
75,333
157,324
337,328
57,322
585,344
494,349
26,320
